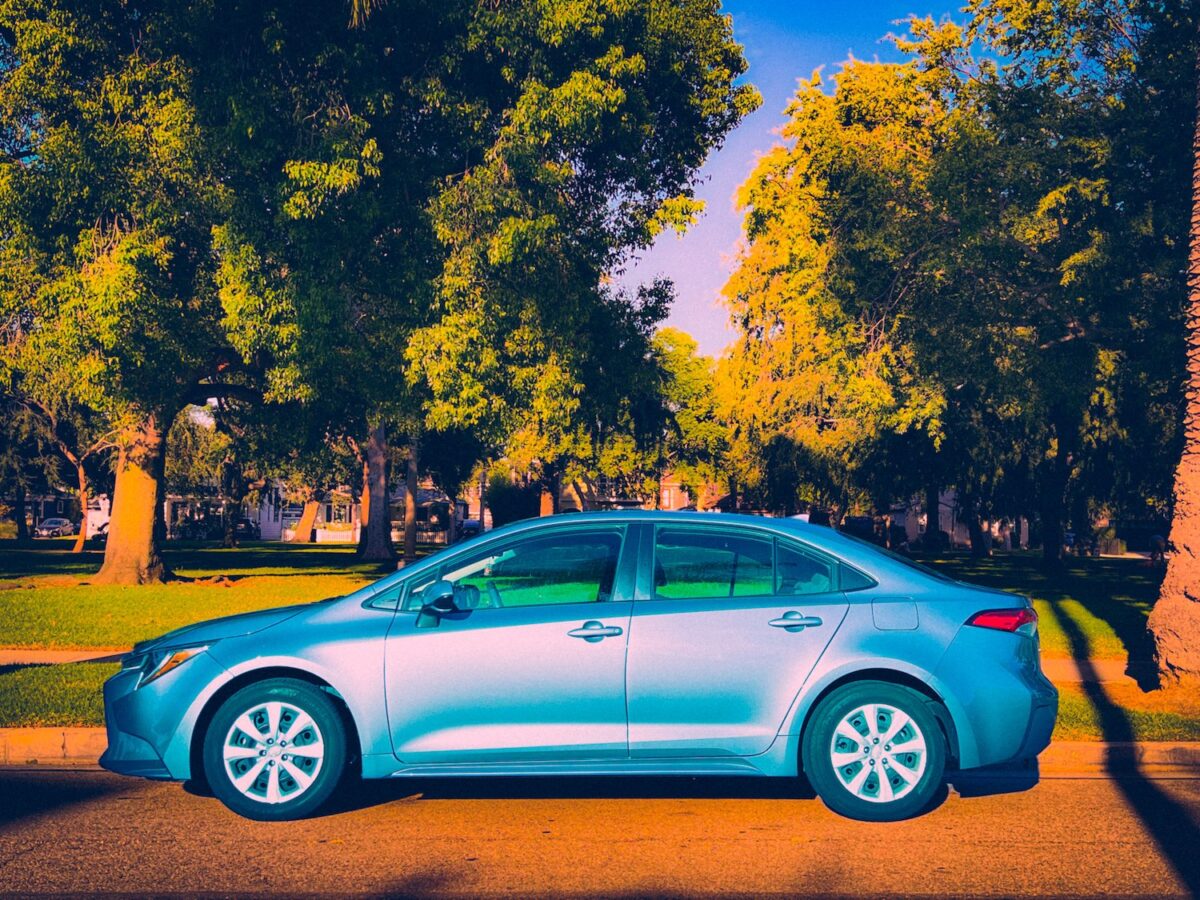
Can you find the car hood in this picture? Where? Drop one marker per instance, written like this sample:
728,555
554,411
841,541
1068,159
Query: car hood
226,627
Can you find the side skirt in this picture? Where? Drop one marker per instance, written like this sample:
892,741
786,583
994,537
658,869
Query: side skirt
779,759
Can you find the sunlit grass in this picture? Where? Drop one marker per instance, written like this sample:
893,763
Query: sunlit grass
1163,715
1107,600
46,602
63,696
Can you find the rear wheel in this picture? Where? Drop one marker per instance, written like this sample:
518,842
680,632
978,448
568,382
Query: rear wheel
275,750
874,751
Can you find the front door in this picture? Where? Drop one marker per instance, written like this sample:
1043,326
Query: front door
733,624
531,669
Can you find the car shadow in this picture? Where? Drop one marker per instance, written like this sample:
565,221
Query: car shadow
357,794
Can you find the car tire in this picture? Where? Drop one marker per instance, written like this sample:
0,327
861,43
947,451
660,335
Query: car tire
875,751
255,759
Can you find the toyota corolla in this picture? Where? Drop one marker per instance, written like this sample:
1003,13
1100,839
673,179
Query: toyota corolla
620,643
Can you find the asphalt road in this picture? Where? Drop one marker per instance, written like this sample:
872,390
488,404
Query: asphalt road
72,832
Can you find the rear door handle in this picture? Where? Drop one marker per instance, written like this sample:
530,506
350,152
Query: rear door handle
594,631
794,621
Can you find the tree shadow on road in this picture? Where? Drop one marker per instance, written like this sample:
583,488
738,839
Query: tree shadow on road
33,792
1168,822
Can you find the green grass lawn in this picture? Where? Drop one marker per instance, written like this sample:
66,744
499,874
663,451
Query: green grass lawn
45,601
1094,607
53,695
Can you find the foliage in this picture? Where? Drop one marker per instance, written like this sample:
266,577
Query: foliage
510,501
937,289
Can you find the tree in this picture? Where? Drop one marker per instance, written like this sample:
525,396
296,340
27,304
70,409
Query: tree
597,121
1175,620
694,443
105,271
78,436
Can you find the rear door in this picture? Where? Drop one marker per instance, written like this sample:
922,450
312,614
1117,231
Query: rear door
727,624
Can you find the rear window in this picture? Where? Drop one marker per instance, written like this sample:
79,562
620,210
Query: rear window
696,564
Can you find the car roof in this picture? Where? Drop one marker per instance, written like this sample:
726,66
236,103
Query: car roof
821,536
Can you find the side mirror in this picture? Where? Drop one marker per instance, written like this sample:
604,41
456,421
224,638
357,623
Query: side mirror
437,600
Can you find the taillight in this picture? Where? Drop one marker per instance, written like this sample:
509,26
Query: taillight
1022,620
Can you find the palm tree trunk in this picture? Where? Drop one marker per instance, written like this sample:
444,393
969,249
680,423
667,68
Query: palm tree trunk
1175,620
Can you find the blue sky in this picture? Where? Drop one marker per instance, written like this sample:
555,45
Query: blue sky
784,41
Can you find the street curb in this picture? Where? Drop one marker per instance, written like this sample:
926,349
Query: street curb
81,748
1080,758
58,747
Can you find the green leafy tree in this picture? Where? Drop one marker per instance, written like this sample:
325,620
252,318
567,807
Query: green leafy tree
599,115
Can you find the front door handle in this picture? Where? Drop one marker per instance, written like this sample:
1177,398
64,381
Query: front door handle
594,631
794,621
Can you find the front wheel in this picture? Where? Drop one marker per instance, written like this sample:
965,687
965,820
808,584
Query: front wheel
874,751
275,750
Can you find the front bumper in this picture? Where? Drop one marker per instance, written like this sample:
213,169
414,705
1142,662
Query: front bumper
150,728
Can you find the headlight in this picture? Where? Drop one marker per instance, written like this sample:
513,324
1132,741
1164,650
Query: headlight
154,664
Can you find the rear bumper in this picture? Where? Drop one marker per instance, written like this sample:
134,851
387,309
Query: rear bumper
1041,726
1003,708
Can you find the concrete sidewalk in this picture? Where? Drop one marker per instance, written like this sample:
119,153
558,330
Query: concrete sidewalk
1068,670
81,748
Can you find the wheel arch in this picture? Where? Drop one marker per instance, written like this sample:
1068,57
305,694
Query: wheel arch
938,705
253,676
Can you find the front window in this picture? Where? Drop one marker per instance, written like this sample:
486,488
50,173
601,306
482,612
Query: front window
538,570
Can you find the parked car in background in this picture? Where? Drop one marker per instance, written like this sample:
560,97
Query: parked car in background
98,537
638,643
246,529
54,527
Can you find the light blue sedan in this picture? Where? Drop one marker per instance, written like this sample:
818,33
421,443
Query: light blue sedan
621,643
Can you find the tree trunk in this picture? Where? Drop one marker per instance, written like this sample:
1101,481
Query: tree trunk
1054,504
19,513
132,554
364,507
482,496
305,529
410,502
933,517
378,547
968,511
81,538
1175,620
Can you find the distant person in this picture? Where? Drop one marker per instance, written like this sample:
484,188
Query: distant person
1158,549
